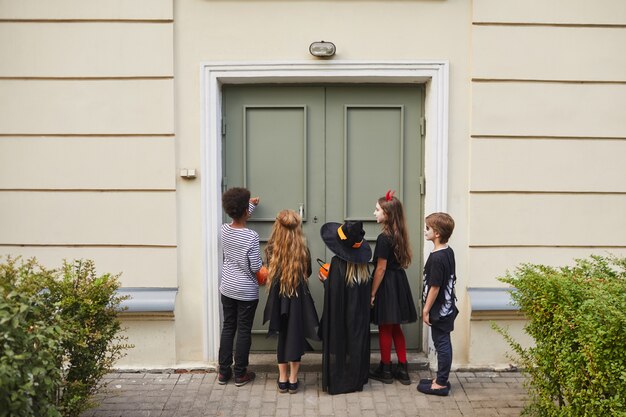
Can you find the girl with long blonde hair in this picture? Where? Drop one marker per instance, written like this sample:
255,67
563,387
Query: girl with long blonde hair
290,309
287,254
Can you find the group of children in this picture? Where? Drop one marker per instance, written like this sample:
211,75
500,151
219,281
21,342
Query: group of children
353,297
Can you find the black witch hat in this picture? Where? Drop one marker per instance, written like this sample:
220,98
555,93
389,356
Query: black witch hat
346,241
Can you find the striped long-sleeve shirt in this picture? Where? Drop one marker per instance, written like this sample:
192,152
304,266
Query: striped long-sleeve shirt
242,259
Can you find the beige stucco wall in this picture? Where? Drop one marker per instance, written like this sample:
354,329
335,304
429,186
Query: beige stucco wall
496,354
87,164
154,341
548,138
100,106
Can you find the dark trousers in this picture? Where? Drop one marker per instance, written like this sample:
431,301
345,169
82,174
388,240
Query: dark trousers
238,318
443,346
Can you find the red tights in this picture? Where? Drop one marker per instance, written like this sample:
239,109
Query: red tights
387,332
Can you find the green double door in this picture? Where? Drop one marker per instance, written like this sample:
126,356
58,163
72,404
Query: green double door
327,152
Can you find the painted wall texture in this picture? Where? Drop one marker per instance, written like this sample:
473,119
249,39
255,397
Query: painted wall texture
101,103
87,145
547,137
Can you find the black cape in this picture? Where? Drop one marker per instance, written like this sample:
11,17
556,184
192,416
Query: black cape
345,332
296,315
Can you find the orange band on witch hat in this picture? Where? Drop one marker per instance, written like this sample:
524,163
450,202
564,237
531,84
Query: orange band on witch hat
341,234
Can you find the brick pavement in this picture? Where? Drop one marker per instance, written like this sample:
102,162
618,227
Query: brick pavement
198,394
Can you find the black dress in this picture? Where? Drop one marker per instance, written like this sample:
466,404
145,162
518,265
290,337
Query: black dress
393,303
345,332
294,319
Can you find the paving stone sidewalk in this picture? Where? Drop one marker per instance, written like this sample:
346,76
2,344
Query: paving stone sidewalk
198,394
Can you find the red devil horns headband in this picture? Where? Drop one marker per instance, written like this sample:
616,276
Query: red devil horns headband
389,195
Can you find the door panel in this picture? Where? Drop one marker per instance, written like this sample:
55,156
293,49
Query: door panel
373,143
274,146
332,151
373,137
268,133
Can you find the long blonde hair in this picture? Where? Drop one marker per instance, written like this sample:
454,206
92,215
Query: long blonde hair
357,273
287,254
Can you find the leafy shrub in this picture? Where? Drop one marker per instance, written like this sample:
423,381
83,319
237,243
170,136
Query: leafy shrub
30,343
70,316
577,318
88,306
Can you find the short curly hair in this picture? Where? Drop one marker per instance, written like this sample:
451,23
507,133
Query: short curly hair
235,202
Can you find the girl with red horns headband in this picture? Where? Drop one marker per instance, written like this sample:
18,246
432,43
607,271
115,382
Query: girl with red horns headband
391,300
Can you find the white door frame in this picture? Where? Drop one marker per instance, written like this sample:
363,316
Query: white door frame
434,74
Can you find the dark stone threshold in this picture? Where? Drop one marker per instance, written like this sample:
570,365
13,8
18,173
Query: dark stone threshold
266,362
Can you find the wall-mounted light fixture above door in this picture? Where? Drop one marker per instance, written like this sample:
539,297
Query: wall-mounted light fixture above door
322,49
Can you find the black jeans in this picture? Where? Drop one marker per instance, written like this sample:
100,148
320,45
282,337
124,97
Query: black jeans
238,318
443,346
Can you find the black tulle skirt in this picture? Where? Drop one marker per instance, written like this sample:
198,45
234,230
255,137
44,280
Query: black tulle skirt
394,302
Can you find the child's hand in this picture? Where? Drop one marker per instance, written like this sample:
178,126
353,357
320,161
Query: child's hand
321,277
426,317
255,200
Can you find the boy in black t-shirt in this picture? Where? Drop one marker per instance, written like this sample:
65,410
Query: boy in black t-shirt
439,309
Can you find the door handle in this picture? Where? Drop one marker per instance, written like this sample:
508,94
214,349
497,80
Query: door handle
301,210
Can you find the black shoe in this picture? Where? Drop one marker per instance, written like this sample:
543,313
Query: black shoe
382,373
430,382
223,378
428,389
293,388
425,381
283,387
401,373
244,379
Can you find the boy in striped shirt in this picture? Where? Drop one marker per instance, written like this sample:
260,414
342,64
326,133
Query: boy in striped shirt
239,288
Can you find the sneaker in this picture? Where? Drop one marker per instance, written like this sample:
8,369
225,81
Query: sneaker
244,379
222,379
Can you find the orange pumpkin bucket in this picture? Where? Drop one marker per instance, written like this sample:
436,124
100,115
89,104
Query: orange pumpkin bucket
262,274
324,267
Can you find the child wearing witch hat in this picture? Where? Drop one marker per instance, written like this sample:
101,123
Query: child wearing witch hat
344,327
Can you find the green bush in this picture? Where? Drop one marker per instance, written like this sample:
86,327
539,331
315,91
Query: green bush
30,343
577,318
88,305
75,312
